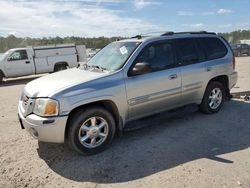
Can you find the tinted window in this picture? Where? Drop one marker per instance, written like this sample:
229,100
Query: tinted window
186,51
214,48
160,56
19,55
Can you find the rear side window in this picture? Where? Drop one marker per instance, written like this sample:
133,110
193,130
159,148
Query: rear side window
186,51
214,48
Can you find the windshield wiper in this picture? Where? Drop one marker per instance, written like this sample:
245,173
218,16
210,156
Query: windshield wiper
86,66
98,67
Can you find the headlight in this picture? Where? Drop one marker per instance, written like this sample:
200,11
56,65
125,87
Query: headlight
46,107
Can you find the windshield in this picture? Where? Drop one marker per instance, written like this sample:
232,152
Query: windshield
113,56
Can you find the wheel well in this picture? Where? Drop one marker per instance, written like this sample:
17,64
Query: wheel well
224,80
106,104
61,63
1,73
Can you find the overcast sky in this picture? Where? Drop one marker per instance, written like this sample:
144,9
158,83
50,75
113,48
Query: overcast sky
93,18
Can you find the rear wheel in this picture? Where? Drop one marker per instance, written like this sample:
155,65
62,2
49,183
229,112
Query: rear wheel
91,131
60,67
213,98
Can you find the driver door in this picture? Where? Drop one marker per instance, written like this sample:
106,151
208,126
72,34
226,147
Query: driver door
18,64
155,90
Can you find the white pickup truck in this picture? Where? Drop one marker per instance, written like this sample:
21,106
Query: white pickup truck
43,59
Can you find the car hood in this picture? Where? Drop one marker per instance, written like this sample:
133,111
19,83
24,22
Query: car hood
53,83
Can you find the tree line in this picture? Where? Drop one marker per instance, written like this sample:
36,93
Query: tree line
12,41
235,36
15,42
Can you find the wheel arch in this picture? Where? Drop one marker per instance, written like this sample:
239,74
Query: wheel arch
2,73
225,81
61,63
109,105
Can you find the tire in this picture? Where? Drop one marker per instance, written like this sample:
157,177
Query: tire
60,68
84,120
1,78
210,103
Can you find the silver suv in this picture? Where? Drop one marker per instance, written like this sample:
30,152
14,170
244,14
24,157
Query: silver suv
127,80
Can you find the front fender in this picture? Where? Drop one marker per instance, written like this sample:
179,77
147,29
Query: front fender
67,105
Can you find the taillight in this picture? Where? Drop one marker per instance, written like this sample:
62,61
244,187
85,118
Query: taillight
234,61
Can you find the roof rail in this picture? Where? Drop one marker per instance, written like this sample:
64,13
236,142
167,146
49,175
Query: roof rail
172,33
196,32
168,33
189,32
140,36
137,36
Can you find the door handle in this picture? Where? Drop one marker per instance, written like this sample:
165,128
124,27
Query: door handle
27,62
209,69
173,76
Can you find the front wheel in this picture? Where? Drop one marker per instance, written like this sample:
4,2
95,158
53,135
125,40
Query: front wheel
213,98
91,130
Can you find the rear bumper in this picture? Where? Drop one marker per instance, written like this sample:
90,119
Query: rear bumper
44,129
233,77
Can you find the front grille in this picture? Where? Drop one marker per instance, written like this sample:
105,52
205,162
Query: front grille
27,105
25,100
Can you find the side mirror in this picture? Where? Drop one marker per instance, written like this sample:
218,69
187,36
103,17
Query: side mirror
141,68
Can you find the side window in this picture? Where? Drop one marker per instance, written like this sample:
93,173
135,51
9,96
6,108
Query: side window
214,48
18,55
159,56
186,51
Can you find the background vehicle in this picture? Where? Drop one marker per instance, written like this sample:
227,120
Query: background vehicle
42,59
127,80
91,52
241,49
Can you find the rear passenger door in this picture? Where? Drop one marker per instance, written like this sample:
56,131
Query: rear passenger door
215,56
190,59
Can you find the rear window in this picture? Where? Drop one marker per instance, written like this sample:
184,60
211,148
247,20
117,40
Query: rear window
214,48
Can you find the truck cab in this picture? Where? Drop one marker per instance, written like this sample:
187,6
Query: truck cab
18,62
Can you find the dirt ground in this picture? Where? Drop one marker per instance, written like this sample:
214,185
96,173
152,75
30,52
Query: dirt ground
181,148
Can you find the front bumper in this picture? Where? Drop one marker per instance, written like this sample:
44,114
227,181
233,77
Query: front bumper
51,129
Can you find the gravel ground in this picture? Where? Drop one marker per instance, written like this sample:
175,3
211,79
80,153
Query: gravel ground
181,148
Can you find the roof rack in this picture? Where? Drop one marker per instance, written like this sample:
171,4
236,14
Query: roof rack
173,33
188,32
140,36
168,33
137,36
